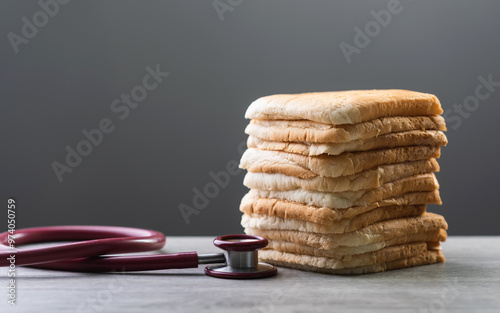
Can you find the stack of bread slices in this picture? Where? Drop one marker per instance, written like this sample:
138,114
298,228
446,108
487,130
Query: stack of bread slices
340,180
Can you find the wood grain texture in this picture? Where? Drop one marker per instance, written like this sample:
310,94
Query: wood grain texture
468,282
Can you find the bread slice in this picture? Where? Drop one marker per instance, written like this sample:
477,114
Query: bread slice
368,258
307,131
291,164
371,178
253,204
403,139
331,266
378,232
344,107
263,221
432,238
346,199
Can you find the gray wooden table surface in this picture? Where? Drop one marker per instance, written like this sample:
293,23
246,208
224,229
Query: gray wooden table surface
468,282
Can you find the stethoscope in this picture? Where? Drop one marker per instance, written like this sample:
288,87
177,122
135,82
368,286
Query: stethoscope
239,260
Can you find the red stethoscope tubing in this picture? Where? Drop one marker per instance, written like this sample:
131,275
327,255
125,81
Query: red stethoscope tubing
87,255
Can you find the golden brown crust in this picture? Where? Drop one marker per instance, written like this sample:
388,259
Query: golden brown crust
431,237
371,178
403,139
291,164
346,199
307,131
274,207
344,107
263,221
348,261
325,265
378,232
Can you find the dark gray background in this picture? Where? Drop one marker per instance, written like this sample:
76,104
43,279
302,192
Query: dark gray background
64,80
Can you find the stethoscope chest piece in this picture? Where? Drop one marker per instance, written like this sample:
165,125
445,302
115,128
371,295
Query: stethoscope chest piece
241,254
